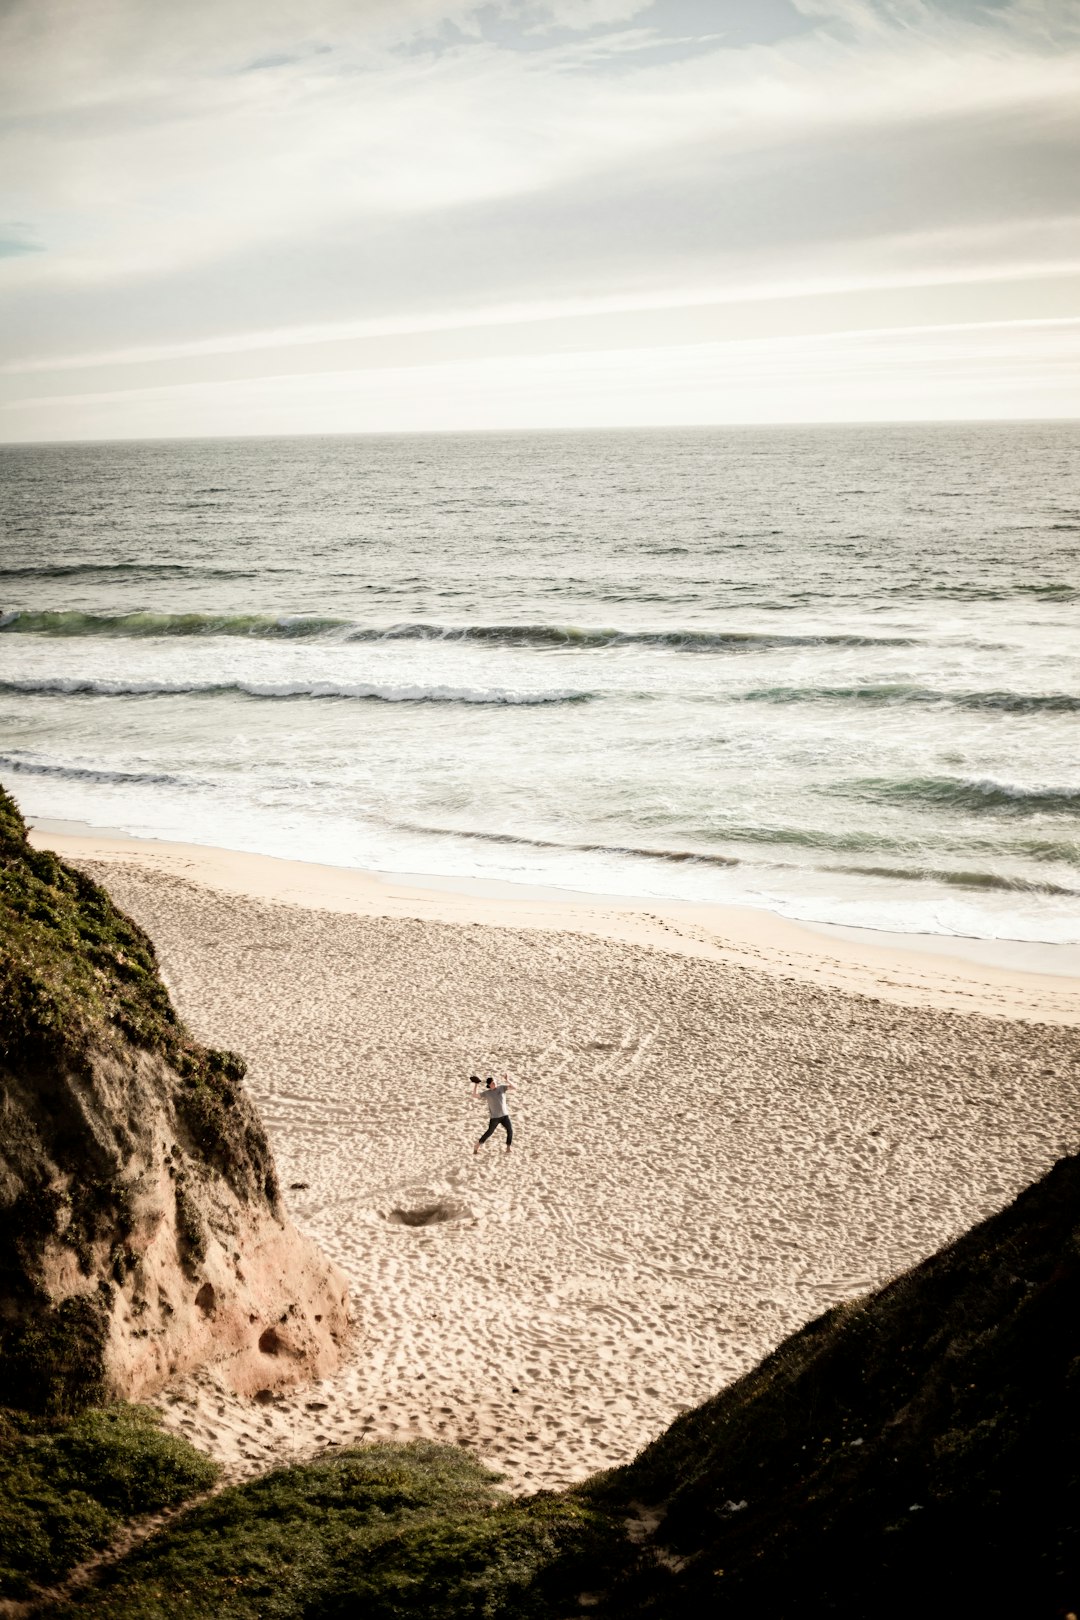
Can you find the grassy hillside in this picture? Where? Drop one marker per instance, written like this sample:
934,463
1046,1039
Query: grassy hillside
66,1489
382,1532
915,1452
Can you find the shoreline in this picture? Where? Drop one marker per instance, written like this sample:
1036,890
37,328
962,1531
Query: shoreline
1004,978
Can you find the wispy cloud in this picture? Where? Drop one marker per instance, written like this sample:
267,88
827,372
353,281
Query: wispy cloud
241,177
991,369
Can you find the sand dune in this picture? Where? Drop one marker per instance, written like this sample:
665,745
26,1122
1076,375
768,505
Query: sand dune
707,1154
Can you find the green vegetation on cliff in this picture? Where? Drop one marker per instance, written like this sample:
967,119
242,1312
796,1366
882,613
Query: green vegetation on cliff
78,976
65,1490
913,1452
74,969
382,1532
92,1059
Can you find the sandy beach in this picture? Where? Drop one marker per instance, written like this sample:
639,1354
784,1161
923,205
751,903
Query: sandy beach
725,1124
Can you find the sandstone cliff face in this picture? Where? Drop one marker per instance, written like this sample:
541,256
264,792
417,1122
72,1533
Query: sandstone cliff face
141,1227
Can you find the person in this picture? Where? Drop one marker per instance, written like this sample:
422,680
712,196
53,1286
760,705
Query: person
495,1097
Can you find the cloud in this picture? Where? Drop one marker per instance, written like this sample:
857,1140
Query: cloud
1023,369
200,175
14,240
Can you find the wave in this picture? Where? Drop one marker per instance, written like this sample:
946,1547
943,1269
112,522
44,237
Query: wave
960,793
811,838
111,570
959,591
71,623
1063,851
1067,851
681,857
965,879
86,773
1002,702
958,879
1058,589
358,691
552,635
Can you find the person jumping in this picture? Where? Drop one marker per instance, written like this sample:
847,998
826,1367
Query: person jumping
495,1097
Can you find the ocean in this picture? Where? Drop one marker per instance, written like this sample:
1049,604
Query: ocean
829,671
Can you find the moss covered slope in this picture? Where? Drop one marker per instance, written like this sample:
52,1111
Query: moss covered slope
66,1489
915,1452
133,1168
383,1532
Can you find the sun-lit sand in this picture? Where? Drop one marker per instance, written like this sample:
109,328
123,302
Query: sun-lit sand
725,1124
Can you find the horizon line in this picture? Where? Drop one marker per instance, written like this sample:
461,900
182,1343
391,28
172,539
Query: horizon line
504,432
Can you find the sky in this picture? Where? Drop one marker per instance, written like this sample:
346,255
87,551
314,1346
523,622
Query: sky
335,216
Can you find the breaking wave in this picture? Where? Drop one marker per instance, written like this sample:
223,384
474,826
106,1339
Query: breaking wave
958,879
86,773
899,694
681,857
960,793
71,623
553,635
133,570
357,691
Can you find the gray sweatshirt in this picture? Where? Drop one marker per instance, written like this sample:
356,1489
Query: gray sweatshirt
495,1097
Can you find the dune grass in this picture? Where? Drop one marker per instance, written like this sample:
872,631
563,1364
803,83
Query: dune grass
65,1490
384,1531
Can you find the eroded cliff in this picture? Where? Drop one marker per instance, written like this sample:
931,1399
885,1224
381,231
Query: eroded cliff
142,1232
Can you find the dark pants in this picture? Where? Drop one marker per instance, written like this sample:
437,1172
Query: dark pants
504,1121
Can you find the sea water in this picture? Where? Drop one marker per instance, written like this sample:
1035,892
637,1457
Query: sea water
831,671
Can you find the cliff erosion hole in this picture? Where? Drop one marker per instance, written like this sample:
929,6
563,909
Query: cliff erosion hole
206,1299
433,1214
